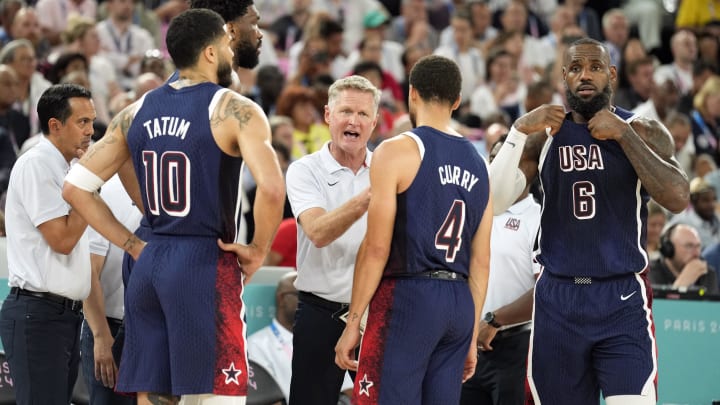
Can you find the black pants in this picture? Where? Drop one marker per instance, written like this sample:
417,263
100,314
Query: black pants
316,379
500,374
42,344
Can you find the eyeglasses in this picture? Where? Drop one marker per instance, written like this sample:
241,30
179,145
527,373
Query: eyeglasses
691,246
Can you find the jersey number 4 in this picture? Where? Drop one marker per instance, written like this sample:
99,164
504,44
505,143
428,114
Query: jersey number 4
449,236
167,187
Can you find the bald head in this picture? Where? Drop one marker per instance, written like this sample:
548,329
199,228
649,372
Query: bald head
286,283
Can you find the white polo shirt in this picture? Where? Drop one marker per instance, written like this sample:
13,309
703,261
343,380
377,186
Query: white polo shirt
318,180
512,269
34,197
111,279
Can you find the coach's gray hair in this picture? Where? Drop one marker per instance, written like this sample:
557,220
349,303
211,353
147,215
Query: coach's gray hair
353,82
7,55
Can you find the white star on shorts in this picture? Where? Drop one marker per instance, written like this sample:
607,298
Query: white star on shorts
365,385
231,374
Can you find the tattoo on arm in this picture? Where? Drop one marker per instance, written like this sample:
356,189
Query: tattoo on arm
130,243
122,120
163,399
232,107
354,316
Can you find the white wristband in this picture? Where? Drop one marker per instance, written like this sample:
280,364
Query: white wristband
82,178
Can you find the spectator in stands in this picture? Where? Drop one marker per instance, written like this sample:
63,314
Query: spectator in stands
281,128
701,215
25,25
288,28
679,126
640,77
297,103
319,52
586,18
20,55
664,97
376,23
680,265
8,8
14,126
502,91
534,55
705,125
616,30
708,48
463,51
53,16
412,13
284,249
683,46
268,86
81,36
702,71
272,346
122,41
66,63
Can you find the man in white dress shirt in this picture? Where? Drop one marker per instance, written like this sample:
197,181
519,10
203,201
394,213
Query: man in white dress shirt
48,254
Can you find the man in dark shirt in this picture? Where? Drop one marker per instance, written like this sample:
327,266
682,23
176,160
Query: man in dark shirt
681,265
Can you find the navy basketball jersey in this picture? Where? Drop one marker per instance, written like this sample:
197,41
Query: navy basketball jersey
594,209
188,185
437,232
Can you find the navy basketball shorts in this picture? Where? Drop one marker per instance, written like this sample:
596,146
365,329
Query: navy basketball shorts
590,336
415,344
184,320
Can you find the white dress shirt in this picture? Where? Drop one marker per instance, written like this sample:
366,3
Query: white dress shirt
34,197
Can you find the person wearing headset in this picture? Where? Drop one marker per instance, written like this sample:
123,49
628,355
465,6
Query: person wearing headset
680,264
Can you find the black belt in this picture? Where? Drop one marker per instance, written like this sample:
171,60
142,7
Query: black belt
586,280
313,299
114,321
72,305
515,330
436,274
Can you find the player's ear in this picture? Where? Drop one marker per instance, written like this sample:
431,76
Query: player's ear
613,74
456,104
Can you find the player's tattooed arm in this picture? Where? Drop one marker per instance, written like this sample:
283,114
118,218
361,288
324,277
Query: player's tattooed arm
122,121
232,106
650,149
134,246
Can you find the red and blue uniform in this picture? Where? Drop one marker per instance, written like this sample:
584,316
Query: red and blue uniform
419,324
184,315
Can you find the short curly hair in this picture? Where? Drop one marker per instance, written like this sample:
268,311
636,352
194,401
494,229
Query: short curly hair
228,9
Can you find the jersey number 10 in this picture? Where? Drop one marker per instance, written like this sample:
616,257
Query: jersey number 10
167,185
